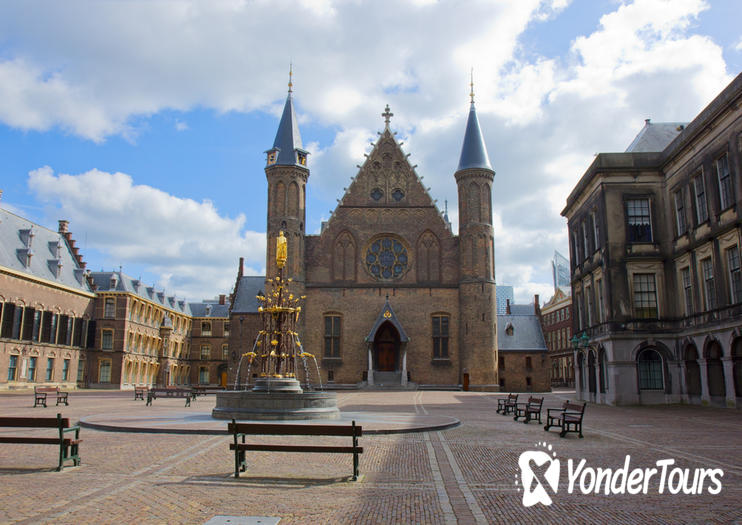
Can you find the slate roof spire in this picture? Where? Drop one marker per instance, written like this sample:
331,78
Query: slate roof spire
473,151
287,149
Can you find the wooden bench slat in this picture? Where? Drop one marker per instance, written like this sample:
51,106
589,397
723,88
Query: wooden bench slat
267,429
35,422
68,446
256,447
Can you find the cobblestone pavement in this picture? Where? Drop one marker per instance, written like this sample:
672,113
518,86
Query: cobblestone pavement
462,475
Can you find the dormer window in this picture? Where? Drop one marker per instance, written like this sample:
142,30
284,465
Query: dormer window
272,157
301,158
509,329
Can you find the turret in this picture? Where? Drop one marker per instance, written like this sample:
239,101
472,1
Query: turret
477,301
287,174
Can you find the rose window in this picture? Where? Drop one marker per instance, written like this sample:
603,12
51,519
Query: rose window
386,258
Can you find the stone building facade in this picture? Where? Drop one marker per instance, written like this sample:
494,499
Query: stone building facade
46,306
393,295
523,358
556,323
655,238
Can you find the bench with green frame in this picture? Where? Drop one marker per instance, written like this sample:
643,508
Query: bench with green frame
68,445
239,432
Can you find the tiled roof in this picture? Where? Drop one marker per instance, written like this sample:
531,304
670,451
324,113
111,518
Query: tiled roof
527,334
655,136
209,309
248,287
40,252
120,282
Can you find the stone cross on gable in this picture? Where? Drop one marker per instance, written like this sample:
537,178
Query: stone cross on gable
387,115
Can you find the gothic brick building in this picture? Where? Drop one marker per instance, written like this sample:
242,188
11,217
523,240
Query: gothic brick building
393,295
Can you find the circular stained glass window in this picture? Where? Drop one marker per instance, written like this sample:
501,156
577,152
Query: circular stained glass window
377,194
386,258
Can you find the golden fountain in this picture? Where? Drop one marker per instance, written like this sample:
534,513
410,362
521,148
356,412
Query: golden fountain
275,357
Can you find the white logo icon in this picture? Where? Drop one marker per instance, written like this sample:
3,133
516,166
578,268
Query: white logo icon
539,475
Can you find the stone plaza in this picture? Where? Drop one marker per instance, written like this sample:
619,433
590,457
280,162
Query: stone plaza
465,474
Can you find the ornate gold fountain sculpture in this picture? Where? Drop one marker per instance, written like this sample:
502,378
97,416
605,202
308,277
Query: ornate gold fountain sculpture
278,347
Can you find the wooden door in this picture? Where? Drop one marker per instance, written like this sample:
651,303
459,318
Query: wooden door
386,356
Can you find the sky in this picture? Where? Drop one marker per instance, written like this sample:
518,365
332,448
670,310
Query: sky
144,123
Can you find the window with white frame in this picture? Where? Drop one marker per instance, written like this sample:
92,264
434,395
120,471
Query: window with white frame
203,375
699,188
709,292
109,308
205,328
104,371
735,275
679,213
639,221
65,369
585,238
589,301
205,352
12,367
225,352
31,374
649,365
49,369
645,296
726,191
687,290
106,339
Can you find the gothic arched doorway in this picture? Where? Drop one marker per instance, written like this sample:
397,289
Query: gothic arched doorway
386,348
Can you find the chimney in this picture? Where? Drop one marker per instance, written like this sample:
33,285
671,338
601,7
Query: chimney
63,224
507,306
536,305
240,268
222,299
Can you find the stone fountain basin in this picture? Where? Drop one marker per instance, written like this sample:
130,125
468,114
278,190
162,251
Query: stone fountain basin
247,404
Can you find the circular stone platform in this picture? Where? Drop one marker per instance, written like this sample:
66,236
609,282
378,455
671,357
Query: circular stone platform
164,420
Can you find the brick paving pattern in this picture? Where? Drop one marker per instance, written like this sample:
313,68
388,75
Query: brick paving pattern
461,475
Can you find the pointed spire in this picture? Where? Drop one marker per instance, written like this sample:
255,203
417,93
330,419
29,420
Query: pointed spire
287,148
473,151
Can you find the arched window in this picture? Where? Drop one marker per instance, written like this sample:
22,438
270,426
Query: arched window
692,371
591,371
649,365
602,372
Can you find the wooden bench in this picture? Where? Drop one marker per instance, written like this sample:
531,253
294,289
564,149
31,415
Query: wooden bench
139,392
68,446
202,390
154,393
530,410
568,418
240,430
507,406
40,393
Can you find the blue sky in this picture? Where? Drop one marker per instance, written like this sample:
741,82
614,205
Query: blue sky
145,123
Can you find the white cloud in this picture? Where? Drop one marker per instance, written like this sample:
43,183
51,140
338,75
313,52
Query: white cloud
90,68
180,125
189,243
